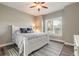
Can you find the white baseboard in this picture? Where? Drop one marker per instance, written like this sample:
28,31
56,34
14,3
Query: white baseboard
66,43
58,40
6,44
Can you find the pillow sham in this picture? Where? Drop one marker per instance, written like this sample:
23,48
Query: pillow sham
26,30
23,30
29,30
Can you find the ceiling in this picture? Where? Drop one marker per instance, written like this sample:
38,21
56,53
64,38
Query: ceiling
25,7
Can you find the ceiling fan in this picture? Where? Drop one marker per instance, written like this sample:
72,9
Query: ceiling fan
39,5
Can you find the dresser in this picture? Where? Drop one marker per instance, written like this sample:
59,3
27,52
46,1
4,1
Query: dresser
76,45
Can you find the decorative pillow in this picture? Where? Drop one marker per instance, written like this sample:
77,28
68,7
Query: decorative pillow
29,30
23,30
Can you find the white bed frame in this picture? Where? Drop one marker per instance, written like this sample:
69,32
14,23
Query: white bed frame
28,47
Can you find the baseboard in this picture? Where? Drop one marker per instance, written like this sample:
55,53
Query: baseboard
6,44
66,43
58,40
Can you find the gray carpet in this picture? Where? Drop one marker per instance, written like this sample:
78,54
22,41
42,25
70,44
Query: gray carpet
52,49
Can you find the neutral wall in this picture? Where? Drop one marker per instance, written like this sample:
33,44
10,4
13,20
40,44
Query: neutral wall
10,16
71,22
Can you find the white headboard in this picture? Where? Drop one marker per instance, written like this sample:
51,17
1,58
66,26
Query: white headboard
14,29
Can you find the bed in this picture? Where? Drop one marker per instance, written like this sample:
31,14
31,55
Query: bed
28,42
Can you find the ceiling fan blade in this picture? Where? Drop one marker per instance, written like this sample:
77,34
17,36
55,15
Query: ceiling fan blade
36,2
45,7
42,2
32,6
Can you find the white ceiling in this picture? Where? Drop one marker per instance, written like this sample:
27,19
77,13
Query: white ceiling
25,7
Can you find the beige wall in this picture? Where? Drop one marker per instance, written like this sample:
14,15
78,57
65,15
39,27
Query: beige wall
71,22
10,16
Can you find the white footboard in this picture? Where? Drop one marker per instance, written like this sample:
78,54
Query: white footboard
34,44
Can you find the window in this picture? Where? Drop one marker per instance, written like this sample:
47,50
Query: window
54,26
57,26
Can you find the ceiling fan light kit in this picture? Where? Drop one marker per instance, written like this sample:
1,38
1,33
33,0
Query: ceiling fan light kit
39,5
